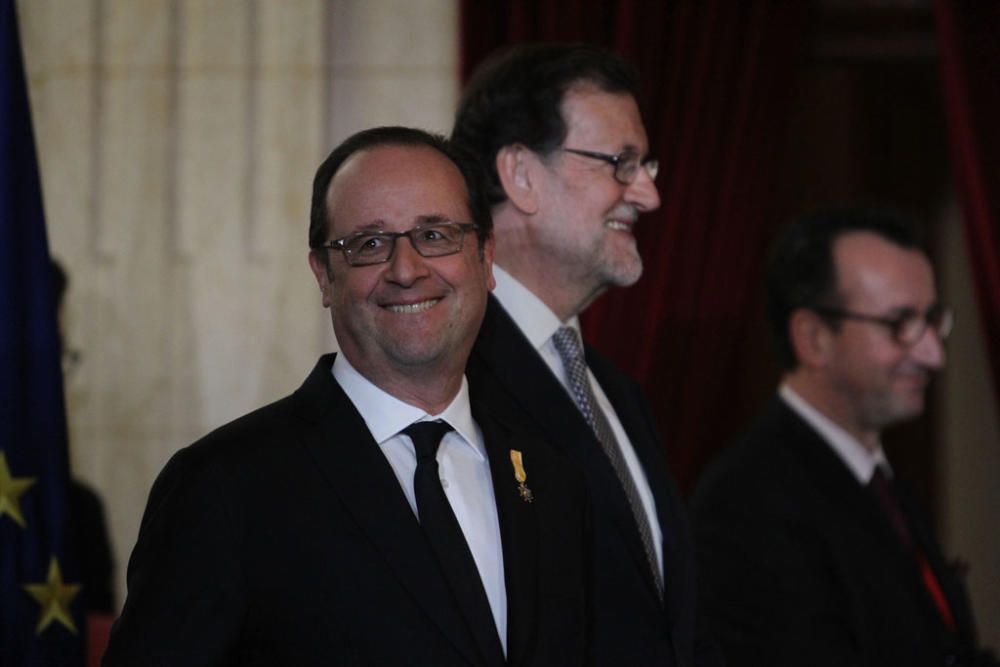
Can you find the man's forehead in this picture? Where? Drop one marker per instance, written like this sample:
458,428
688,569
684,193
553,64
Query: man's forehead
392,184
386,162
612,118
869,266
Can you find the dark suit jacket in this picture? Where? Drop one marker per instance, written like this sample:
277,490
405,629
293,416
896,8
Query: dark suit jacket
90,534
799,565
284,538
631,626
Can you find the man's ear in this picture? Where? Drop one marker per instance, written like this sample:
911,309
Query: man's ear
319,263
811,338
515,166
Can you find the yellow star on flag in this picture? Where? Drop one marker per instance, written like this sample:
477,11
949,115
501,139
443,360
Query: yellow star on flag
11,489
54,596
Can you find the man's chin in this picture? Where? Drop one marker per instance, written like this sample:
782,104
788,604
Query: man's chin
905,409
625,274
415,354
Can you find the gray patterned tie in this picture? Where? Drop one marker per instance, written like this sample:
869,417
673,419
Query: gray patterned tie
567,342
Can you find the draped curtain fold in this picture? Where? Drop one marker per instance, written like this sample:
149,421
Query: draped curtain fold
969,43
716,83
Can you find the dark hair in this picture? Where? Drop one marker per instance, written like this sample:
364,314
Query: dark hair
319,218
801,271
516,97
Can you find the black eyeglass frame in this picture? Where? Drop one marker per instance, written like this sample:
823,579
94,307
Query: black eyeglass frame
620,161
939,318
349,254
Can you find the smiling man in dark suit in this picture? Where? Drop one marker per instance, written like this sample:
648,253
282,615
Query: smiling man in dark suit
381,514
559,131
810,551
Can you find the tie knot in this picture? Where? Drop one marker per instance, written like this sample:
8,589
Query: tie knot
426,437
567,342
880,481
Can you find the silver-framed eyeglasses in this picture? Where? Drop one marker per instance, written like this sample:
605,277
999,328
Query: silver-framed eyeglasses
626,163
908,327
436,239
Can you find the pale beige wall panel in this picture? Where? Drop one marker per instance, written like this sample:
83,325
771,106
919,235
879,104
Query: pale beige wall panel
177,142
971,439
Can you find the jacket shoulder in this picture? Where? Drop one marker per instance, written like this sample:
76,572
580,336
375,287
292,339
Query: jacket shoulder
765,463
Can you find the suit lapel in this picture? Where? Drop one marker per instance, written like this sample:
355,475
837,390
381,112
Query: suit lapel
511,360
647,447
363,481
858,502
949,580
518,531
528,382
835,480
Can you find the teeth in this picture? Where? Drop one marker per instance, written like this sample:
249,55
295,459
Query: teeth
413,307
615,224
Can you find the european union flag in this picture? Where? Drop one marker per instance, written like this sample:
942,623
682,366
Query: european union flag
39,622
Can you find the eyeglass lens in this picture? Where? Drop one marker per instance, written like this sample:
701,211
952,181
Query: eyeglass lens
628,169
911,329
433,241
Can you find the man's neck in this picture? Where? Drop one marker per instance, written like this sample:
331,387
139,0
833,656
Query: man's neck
431,395
386,414
430,389
563,299
828,402
517,253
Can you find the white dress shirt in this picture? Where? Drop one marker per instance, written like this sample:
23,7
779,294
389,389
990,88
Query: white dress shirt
462,464
538,323
858,459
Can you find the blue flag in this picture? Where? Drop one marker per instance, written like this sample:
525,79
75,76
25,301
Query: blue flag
40,622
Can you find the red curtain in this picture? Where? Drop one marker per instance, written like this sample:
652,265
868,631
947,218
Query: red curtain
717,78
969,40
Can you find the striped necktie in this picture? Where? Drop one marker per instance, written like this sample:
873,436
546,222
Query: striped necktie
567,342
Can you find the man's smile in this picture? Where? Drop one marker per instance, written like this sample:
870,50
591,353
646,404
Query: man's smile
417,307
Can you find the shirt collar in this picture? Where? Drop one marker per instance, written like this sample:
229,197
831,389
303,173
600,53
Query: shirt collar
385,415
855,456
533,317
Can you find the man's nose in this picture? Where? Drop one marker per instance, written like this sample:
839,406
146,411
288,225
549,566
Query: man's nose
929,350
642,192
406,264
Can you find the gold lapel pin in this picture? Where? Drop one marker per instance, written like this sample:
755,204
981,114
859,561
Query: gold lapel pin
521,476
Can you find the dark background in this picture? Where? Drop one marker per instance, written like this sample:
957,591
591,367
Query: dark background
759,112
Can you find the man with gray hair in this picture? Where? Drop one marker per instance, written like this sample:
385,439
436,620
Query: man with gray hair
558,129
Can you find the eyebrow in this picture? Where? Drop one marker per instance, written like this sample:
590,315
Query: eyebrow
373,226
632,148
910,311
378,226
433,218
903,311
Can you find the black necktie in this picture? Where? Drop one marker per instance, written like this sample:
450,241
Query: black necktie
447,540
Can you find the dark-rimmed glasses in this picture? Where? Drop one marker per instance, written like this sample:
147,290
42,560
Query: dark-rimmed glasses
626,164
429,240
908,327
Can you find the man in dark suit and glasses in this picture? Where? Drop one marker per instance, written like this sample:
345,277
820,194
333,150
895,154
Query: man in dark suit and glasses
382,514
810,551
558,129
